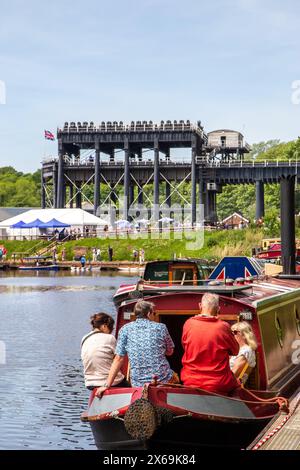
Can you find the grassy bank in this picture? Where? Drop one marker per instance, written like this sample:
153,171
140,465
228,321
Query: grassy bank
23,246
215,245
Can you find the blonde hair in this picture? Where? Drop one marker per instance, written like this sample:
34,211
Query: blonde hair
246,331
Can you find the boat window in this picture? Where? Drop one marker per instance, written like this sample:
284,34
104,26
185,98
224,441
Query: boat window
204,271
279,331
157,272
183,275
297,318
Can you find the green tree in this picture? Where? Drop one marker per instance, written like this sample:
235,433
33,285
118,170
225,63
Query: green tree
18,189
241,198
272,223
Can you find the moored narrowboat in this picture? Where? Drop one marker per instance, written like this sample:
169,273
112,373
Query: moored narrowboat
38,263
160,415
179,272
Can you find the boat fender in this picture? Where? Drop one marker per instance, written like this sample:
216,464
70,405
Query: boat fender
164,415
141,419
136,294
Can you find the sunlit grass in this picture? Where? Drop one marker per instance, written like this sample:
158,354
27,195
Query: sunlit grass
216,245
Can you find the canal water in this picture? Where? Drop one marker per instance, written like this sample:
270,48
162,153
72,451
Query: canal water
42,320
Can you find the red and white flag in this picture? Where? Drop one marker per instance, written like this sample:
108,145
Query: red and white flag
49,135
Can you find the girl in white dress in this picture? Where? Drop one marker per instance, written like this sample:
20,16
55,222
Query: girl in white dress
244,335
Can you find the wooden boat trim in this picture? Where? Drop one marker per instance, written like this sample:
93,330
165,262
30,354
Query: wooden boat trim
221,289
194,312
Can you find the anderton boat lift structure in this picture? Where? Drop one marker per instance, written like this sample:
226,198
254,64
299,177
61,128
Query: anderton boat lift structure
216,158
126,162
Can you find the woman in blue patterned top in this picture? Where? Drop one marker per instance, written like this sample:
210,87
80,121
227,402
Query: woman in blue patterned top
147,343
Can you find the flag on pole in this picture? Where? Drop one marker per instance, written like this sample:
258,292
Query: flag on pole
49,135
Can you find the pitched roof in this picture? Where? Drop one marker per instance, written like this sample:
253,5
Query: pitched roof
76,217
8,212
233,215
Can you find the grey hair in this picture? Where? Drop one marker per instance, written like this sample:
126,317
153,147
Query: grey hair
210,302
142,308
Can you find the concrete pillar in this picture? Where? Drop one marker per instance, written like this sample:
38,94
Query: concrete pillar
64,195
71,194
206,205
168,194
287,214
131,193
156,181
113,197
43,192
97,178
60,178
201,197
210,209
260,203
54,186
140,195
209,205
193,183
201,189
78,195
126,179
214,207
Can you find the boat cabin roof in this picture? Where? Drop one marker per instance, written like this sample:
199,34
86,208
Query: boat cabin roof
251,293
266,289
159,270
192,261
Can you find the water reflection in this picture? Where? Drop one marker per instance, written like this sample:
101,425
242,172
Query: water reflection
41,390
40,288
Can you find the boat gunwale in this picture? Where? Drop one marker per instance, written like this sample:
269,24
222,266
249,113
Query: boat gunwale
169,388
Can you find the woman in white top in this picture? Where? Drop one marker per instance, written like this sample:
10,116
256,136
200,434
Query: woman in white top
244,335
98,351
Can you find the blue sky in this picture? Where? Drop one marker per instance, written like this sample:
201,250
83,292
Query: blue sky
229,63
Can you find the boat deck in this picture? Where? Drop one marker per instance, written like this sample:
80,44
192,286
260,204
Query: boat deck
287,437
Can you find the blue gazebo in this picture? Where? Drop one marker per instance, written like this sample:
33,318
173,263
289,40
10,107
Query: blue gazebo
19,224
54,223
34,224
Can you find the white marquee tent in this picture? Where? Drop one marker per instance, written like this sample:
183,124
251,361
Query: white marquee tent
76,218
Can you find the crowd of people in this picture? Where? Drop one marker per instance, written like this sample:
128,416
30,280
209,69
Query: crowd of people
73,233
94,255
216,355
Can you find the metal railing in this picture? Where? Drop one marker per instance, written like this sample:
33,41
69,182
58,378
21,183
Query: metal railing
89,161
134,126
249,164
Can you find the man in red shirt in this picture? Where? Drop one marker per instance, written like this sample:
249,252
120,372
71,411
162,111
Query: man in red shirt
208,342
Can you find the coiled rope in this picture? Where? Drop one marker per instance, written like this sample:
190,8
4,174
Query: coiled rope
282,402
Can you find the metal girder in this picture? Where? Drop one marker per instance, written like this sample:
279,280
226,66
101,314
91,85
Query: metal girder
79,191
142,191
175,189
112,188
49,198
